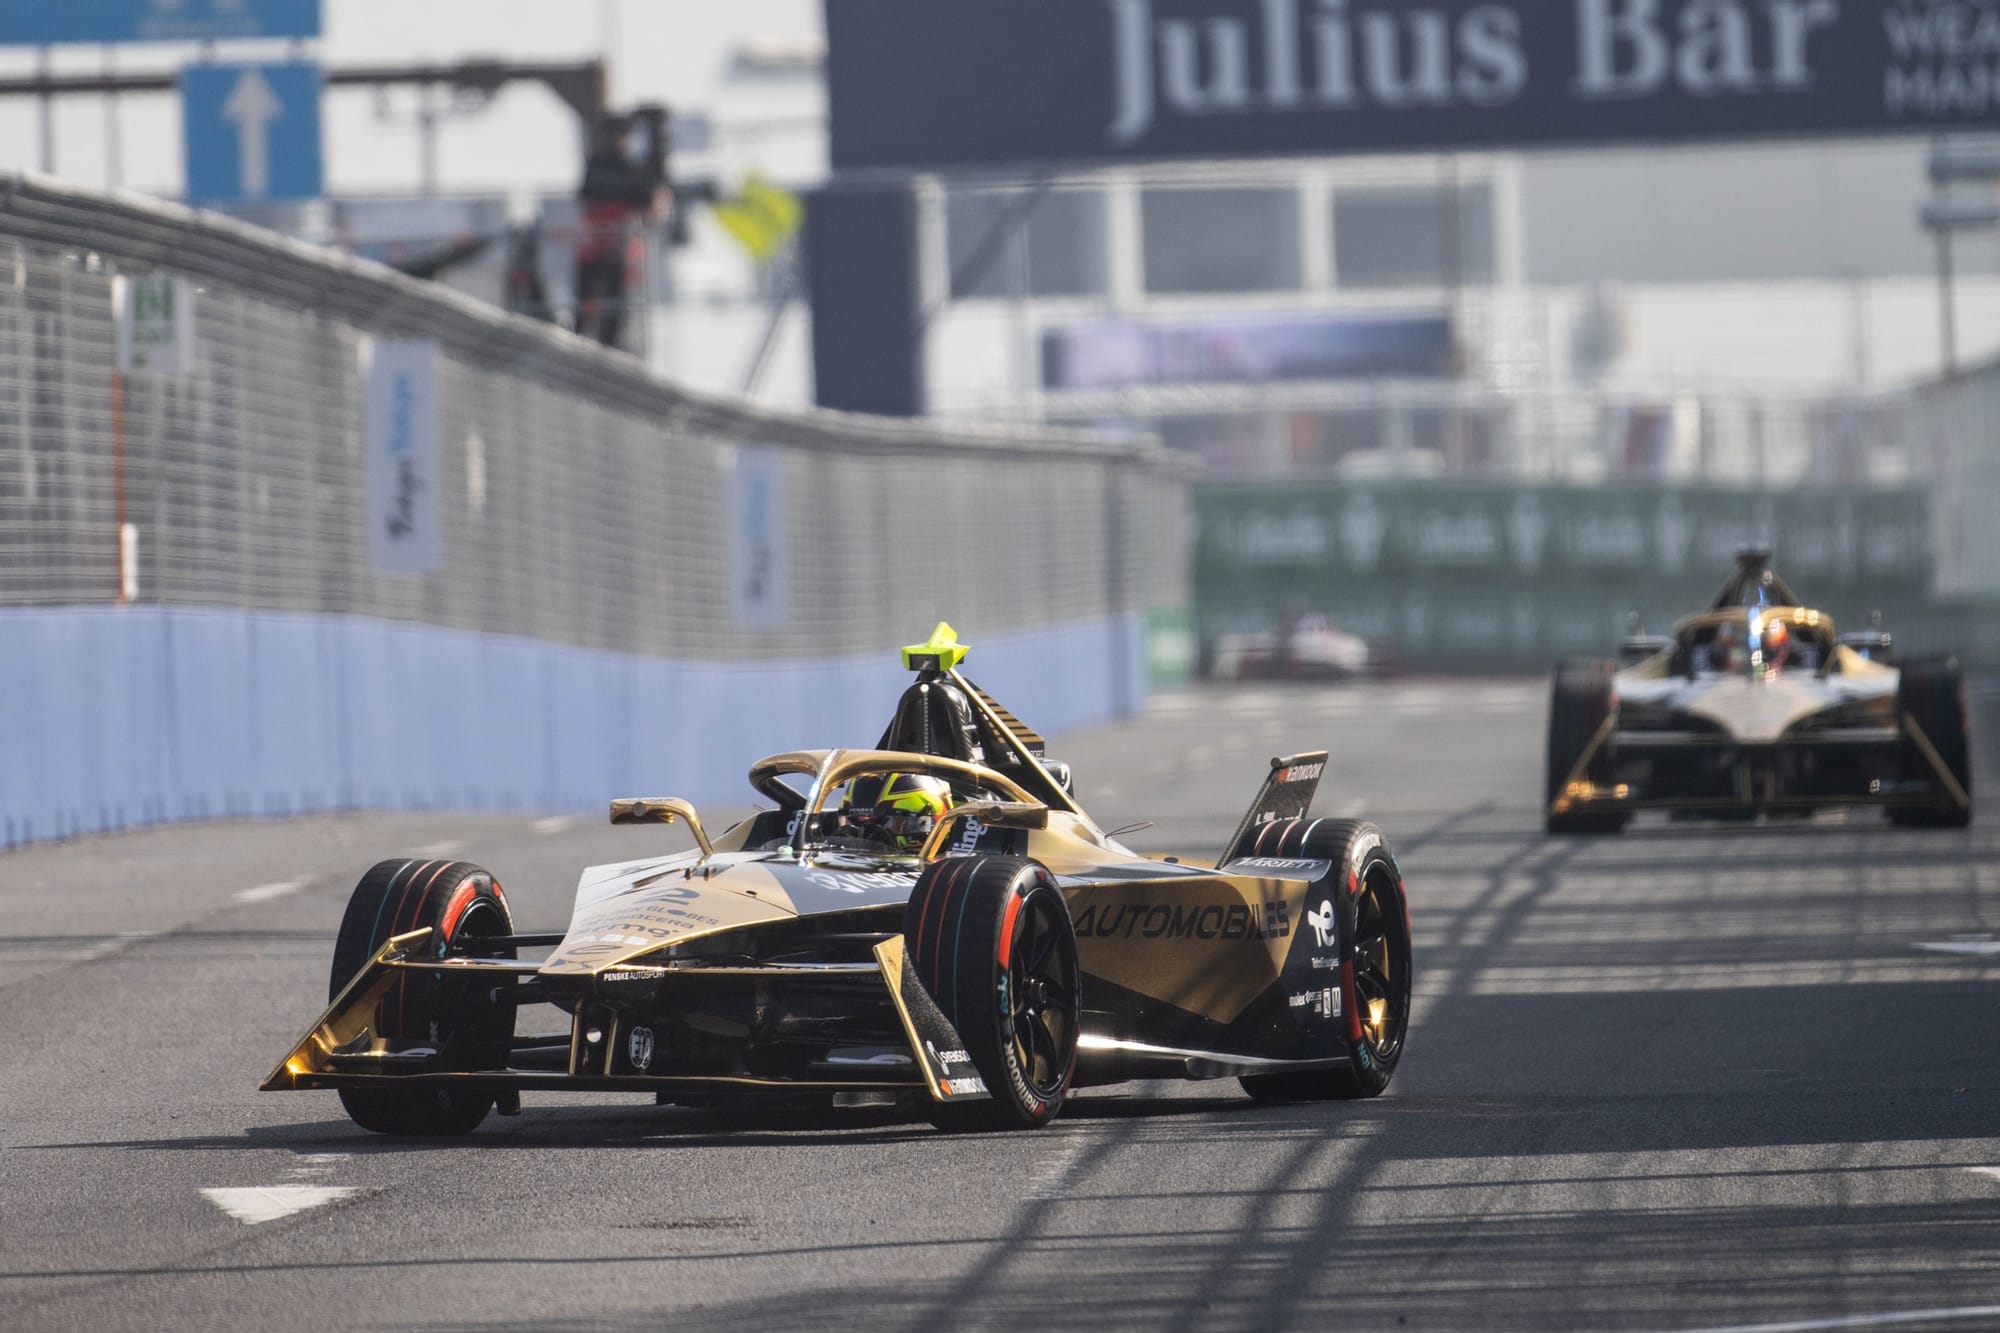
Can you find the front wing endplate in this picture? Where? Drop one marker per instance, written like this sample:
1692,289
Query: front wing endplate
948,1069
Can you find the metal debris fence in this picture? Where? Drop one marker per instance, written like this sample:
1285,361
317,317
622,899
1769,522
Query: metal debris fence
582,500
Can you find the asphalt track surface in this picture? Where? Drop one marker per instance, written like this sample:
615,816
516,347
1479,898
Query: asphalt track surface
1686,1078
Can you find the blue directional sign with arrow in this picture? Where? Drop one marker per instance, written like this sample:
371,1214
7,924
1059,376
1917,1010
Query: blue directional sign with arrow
44,22
253,132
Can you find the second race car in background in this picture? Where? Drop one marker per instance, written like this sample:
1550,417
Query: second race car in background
1300,647
1757,706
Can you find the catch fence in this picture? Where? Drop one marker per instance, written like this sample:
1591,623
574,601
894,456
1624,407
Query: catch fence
576,498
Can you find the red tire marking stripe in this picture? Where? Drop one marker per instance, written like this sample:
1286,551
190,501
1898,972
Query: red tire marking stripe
1007,926
460,900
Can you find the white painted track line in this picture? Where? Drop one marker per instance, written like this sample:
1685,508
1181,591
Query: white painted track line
1982,948
1954,1314
268,1203
264,893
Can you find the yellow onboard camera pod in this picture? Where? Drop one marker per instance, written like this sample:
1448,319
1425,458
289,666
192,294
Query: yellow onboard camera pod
942,653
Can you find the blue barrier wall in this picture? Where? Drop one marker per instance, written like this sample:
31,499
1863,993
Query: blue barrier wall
117,717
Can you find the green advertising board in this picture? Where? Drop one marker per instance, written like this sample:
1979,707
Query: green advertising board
1463,572
1172,649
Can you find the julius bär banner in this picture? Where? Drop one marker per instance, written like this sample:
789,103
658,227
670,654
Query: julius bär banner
944,83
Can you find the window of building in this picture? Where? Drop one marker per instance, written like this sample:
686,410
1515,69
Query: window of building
1405,236
1221,240
989,234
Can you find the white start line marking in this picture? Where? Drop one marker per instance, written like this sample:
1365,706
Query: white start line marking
271,1202
1993,1171
264,893
1955,1314
440,850
553,824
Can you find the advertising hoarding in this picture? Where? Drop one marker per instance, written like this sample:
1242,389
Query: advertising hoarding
984,83
405,463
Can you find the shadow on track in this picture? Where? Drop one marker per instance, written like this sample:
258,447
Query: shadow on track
552,1125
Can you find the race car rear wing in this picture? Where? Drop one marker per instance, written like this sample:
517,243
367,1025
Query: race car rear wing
1287,793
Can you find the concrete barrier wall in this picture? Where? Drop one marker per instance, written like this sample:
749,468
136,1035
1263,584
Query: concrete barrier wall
119,717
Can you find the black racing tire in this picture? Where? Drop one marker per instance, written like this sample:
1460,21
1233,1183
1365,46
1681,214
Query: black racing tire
1580,699
991,938
462,904
1371,931
1931,693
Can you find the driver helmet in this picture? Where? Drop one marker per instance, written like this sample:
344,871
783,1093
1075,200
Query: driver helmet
1777,643
904,806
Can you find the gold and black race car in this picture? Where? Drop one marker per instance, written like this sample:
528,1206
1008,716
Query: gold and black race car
981,967
1753,707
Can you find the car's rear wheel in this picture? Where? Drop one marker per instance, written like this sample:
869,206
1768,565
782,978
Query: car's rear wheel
1367,921
990,937
1931,693
463,906
1580,702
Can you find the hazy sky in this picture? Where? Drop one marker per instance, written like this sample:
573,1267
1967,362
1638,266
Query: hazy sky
681,52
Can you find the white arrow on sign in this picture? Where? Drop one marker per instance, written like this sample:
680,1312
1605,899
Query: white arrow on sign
251,108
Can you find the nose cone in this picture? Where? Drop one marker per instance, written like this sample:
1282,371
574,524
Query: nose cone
659,909
1757,711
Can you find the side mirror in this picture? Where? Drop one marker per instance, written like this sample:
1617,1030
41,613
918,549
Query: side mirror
1877,645
1058,770
661,810
1636,648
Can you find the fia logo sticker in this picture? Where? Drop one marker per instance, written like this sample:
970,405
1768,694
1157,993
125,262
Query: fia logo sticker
640,1047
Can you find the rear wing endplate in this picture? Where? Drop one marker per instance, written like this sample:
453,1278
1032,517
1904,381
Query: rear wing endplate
1287,793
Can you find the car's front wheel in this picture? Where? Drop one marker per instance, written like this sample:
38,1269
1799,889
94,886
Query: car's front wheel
462,905
990,937
1581,702
1931,694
